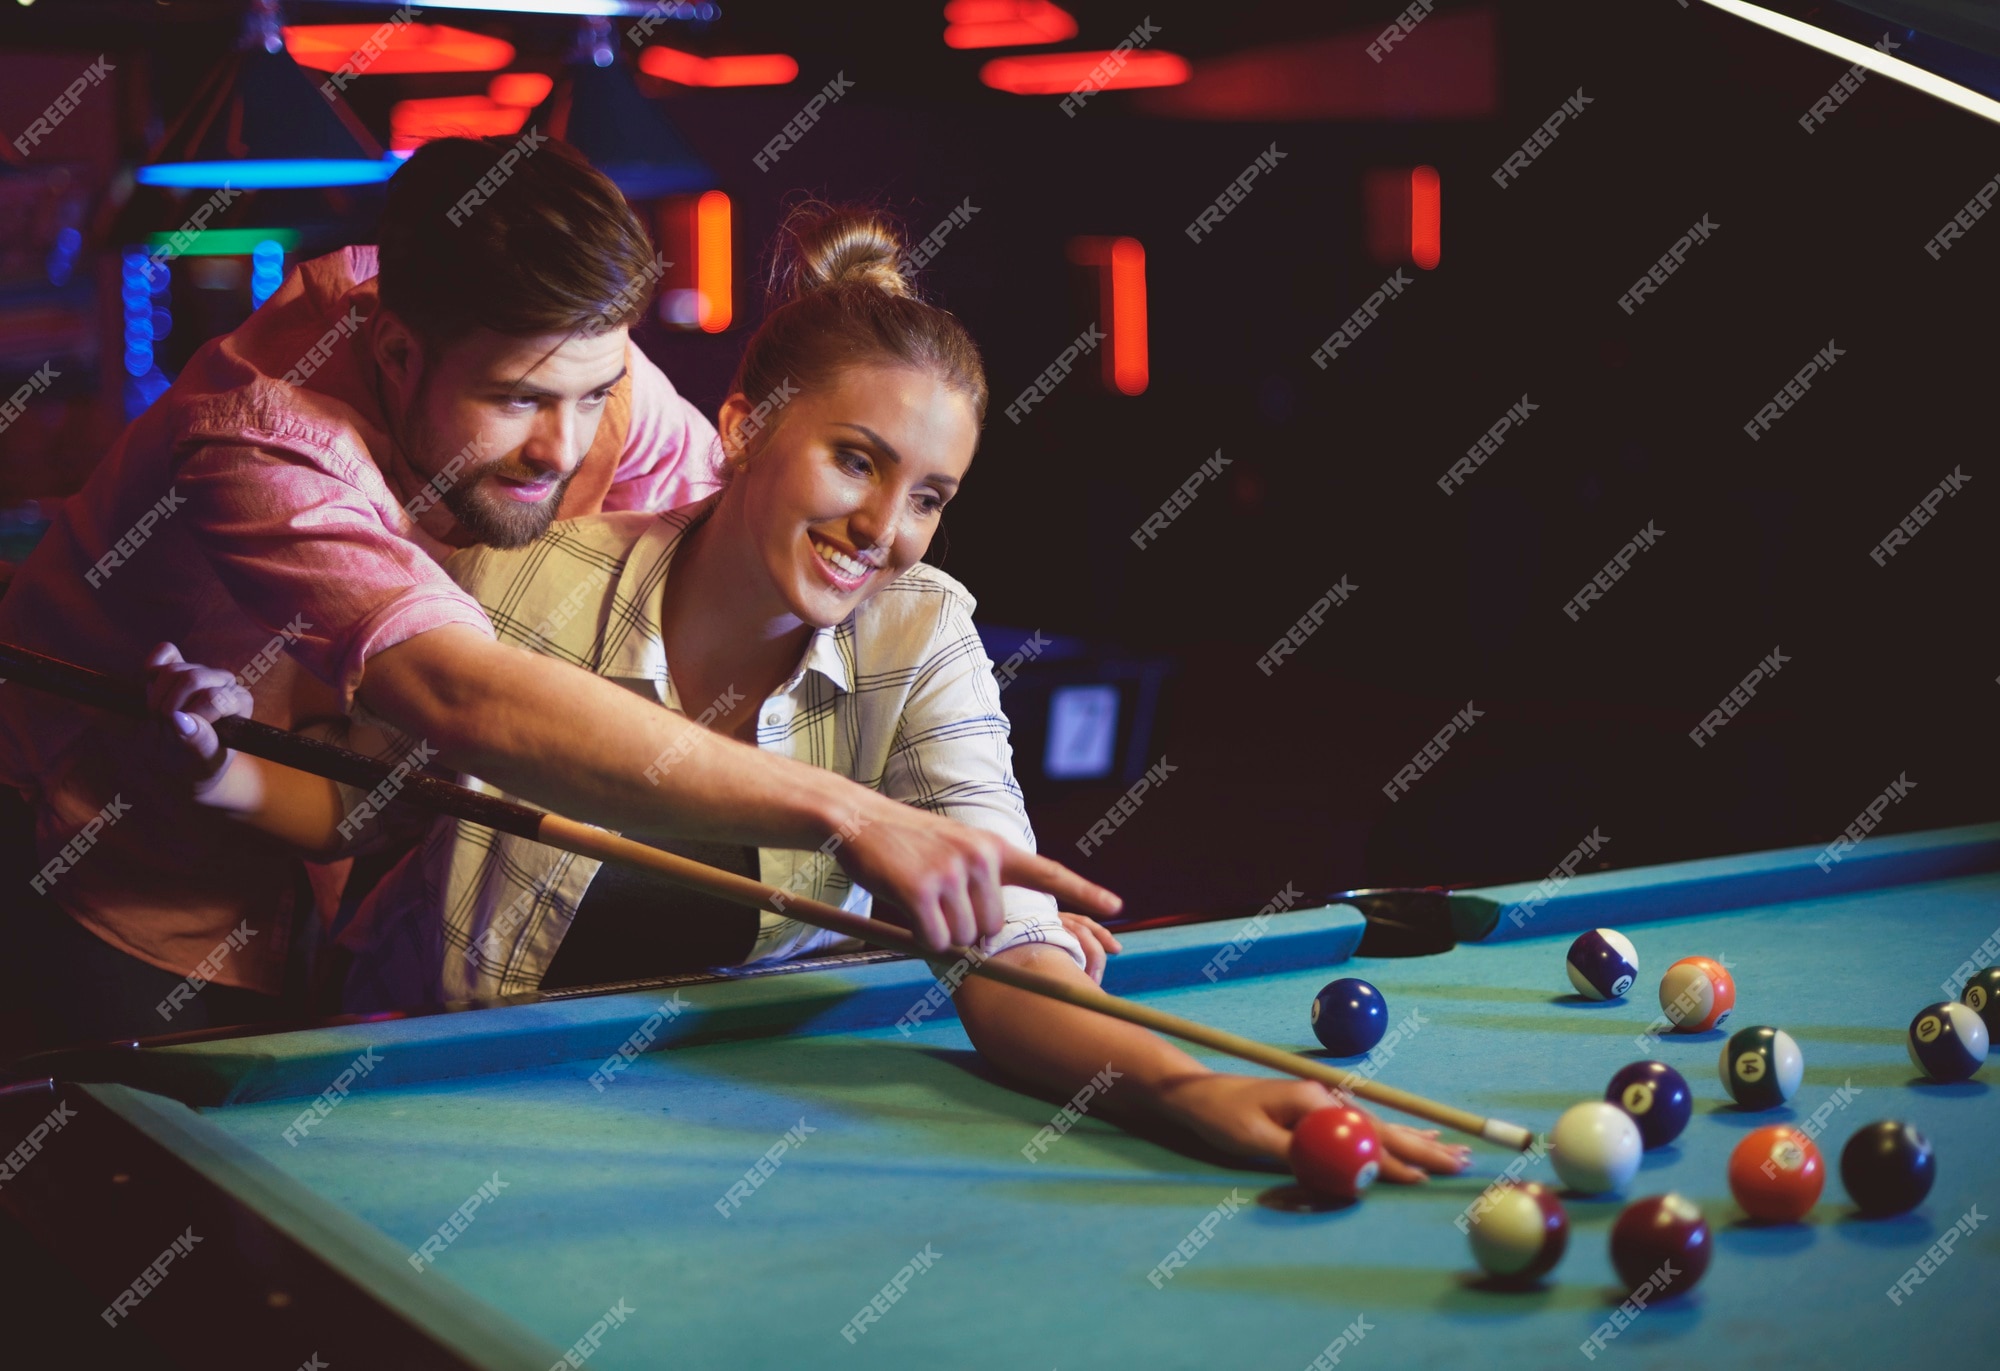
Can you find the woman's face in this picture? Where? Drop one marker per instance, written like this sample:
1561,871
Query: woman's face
847,489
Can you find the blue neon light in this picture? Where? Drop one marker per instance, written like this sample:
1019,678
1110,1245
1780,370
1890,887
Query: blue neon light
270,175
267,271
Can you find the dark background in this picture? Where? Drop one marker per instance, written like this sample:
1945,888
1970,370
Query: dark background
1895,670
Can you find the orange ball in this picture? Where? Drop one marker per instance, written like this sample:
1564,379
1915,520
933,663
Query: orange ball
1697,994
1776,1174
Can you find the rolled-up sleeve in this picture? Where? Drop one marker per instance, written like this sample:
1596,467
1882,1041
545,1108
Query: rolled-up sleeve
302,548
672,455
952,756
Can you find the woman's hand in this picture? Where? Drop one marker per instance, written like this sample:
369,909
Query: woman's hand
1096,940
187,699
1253,1116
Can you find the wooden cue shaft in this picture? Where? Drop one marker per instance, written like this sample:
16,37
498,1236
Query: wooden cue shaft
604,845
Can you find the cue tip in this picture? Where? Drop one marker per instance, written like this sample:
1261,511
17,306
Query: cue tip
1507,1134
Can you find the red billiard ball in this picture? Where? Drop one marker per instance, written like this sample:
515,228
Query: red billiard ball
1776,1174
1662,1240
1335,1153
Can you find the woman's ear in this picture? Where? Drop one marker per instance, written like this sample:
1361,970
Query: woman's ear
733,423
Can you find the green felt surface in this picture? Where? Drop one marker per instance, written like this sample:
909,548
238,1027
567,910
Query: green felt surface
611,1194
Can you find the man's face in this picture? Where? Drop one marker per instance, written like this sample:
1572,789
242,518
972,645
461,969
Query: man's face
501,424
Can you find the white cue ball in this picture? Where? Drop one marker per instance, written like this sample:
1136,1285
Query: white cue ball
1596,1147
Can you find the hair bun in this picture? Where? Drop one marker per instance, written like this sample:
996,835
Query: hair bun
822,246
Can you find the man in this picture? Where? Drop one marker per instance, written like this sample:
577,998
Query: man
281,512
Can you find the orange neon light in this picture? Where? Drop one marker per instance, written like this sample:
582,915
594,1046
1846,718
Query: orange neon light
1121,267
712,266
1006,23
520,89
739,69
1426,217
386,49
412,123
1059,73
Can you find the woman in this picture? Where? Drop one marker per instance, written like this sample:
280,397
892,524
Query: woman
791,609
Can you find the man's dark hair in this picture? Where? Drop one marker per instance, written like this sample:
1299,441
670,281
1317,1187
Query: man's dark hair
519,235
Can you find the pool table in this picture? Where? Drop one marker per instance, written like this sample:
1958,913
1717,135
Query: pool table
795,1169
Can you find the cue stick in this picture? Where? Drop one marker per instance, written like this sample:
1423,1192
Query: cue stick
85,686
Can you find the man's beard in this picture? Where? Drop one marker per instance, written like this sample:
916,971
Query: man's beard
490,518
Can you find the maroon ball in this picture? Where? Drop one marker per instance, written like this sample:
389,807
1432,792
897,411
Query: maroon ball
1658,1233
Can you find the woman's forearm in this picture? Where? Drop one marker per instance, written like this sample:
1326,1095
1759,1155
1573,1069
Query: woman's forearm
295,807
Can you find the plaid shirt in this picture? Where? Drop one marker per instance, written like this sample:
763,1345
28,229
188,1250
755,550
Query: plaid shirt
900,697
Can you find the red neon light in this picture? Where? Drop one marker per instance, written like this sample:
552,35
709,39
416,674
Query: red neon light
412,123
741,69
386,49
714,305
1426,201
1059,73
521,89
1121,265
1006,23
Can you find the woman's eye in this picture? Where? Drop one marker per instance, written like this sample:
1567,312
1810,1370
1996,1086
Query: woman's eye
853,461
927,503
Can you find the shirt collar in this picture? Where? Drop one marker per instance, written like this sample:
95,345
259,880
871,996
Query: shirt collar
634,644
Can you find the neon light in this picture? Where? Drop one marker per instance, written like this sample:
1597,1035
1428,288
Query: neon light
1006,23
523,89
267,271
715,306
270,175
1129,362
386,49
1059,73
412,123
224,242
741,69
1426,200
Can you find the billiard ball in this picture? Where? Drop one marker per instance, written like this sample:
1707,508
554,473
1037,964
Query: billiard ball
1776,1174
1948,1042
1603,964
1657,1098
1761,1067
1887,1167
1349,1017
1595,1147
1697,994
1982,994
1335,1153
1519,1232
1661,1239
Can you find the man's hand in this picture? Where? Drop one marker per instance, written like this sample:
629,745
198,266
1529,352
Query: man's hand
1253,1116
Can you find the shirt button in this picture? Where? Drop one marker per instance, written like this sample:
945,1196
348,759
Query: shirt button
771,719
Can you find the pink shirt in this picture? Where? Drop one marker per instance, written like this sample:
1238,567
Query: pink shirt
259,523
